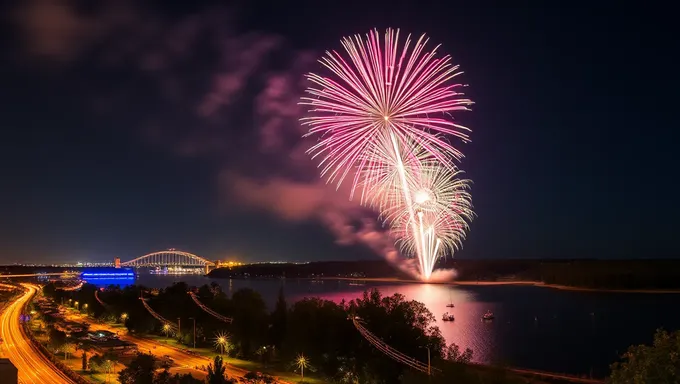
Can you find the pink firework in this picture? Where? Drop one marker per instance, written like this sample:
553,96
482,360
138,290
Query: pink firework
384,117
381,89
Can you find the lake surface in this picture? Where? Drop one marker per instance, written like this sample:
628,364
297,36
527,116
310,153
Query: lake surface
540,328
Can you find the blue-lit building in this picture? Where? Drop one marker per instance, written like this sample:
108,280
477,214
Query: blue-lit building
109,276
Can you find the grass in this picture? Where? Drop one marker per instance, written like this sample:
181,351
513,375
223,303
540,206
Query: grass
278,370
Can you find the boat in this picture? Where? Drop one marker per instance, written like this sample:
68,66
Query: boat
488,316
448,317
450,304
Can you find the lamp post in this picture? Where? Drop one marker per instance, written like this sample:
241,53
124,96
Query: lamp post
429,367
179,327
194,319
302,362
221,342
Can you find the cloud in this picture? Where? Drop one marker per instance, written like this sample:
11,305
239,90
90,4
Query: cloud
348,221
218,94
60,31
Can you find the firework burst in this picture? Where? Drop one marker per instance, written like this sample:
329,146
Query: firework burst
441,207
384,117
382,88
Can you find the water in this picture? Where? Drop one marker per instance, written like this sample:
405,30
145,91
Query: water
540,328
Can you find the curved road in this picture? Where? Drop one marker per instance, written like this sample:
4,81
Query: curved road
184,362
33,367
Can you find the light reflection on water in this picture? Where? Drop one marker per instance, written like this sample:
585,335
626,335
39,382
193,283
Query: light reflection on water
467,331
540,328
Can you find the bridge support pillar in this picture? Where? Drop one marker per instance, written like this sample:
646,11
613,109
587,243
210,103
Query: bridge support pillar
207,269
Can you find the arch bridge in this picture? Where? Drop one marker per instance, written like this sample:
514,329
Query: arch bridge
169,258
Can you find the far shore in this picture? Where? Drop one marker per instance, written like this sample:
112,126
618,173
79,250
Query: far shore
485,283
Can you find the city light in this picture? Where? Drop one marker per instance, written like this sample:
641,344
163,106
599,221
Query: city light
222,342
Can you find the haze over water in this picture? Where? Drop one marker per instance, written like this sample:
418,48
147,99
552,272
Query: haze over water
539,328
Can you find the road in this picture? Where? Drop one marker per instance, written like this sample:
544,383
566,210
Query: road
183,362
33,367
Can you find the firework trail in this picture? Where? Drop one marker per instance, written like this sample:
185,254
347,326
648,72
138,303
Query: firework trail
385,118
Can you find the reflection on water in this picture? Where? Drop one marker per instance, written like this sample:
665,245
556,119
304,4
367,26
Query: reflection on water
467,331
106,281
540,328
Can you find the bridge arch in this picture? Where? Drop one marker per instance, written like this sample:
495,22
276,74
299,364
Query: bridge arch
170,257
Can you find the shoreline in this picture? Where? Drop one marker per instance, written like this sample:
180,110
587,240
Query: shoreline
489,283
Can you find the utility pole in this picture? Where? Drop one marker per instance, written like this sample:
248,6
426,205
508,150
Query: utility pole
194,319
429,368
179,327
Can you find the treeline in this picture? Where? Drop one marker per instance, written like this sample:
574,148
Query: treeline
597,274
602,274
320,330
358,269
627,275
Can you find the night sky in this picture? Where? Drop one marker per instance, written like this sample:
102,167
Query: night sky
130,127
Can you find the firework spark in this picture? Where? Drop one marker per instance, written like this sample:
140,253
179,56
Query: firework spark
382,88
443,207
384,118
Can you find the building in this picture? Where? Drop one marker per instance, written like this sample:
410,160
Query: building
8,372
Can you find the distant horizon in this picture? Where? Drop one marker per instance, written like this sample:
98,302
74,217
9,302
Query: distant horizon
28,264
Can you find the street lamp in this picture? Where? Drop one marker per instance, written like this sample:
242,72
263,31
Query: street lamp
221,342
191,318
429,366
124,316
302,362
166,329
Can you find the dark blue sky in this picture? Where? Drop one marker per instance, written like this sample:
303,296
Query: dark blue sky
133,128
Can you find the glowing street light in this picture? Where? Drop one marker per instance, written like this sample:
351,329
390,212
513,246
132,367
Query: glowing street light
166,329
124,316
222,342
302,362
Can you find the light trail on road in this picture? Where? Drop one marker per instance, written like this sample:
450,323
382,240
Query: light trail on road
216,315
32,365
182,360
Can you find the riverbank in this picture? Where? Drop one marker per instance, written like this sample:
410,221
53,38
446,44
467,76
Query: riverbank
517,282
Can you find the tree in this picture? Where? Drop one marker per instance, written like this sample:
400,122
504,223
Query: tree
217,372
68,348
140,370
277,331
112,358
57,339
258,378
204,292
250,320
188,379
406,325
163,377
95,363
658,363
320,329
453,354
